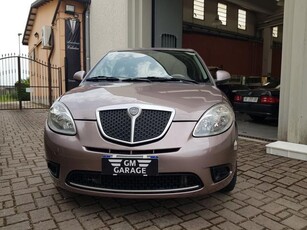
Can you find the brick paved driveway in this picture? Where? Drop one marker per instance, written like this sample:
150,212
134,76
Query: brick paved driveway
271,192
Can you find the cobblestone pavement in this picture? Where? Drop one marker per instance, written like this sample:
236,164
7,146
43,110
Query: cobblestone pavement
271,192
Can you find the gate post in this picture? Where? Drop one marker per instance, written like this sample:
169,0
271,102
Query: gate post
49,84
60,81
19,83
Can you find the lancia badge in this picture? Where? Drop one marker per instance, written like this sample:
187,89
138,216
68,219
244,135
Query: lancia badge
133,111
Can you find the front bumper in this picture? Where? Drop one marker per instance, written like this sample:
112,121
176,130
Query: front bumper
178,152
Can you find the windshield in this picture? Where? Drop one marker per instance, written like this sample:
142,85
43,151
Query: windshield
151,65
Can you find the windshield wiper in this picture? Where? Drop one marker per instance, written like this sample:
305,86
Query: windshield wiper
137,79
182,80
103,78
163,79
144,79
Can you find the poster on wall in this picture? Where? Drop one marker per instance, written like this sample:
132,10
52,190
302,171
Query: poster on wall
72,52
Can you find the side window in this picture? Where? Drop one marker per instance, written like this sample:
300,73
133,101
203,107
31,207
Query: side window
199,9
222,13
241,19
275,32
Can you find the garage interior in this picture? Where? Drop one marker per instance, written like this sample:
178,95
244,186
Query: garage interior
241,37
260,56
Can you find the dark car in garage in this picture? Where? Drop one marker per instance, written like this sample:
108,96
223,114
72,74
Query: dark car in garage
228,87
259,103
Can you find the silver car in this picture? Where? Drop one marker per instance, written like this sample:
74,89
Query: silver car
146,123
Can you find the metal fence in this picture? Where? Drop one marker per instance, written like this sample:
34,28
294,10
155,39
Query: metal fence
27,83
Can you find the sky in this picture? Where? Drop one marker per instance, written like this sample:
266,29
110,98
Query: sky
13,19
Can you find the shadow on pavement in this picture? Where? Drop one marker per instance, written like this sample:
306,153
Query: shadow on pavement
265,129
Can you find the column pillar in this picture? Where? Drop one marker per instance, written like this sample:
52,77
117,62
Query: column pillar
293,99
267,52
139,23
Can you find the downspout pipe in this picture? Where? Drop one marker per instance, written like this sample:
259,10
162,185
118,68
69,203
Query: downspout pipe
87,39
56,11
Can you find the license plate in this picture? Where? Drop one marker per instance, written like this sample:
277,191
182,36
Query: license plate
130,165
250,99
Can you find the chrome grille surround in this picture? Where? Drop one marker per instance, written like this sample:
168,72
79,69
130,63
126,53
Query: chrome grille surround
162,183
134,123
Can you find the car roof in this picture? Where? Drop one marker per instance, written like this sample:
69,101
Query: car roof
155,49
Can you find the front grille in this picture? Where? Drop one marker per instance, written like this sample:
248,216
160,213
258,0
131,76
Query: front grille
116,124
148,124
162,183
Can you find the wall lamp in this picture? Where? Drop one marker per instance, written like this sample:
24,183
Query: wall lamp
70,9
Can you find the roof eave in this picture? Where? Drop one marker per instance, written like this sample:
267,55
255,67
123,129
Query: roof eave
31,18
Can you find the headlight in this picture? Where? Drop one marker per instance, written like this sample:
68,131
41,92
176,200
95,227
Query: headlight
60,119
215,121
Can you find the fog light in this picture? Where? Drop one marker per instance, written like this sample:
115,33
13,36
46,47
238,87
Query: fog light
219,173
54,169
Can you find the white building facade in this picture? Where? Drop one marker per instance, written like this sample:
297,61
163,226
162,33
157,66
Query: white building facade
122,24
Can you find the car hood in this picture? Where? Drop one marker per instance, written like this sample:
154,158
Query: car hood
189,100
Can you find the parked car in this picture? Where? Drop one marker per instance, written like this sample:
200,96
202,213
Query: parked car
227,87
230,89
259,103
147,123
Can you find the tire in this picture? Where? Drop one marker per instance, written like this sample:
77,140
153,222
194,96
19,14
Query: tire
231,185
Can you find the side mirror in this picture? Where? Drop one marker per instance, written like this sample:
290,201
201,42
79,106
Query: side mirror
78,76
222,75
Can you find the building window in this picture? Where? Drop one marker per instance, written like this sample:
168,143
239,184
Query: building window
198,9
275,32
241,19
222,13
